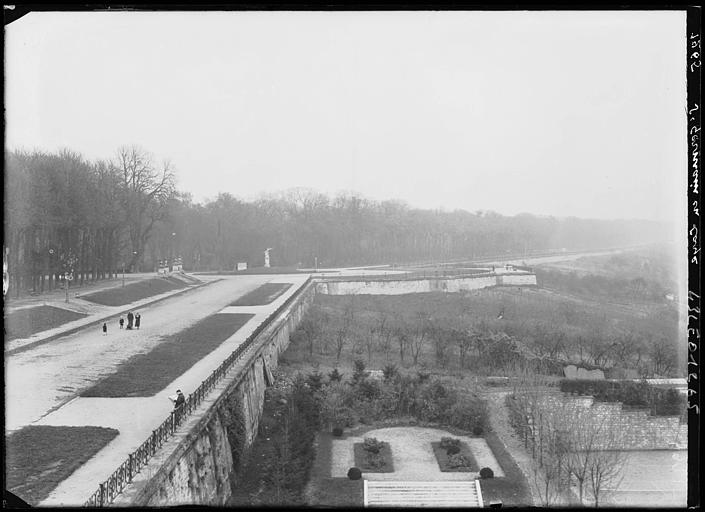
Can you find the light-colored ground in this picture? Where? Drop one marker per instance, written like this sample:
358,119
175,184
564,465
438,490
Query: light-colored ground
652,478
43,383
412,455
92,310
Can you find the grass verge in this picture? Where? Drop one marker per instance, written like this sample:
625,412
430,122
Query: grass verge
26,322
512,489
444,459
38,458
147,374
362,459
326,491
265,294
133,292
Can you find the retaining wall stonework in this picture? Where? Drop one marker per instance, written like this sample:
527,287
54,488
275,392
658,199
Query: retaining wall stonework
200,466
403,286
630,428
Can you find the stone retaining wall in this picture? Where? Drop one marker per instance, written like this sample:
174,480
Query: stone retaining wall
200,466
630,428
403,286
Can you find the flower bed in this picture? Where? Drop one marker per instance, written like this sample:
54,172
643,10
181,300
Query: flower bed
373,456
461,462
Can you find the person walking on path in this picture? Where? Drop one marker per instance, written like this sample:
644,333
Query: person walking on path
105,328
122,322
130,317
138,317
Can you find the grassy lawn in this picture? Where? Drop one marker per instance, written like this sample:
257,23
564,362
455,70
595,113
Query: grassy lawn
38,458
147,374
25,322
512,489
120,296
265,294
443,459
362,459
325,491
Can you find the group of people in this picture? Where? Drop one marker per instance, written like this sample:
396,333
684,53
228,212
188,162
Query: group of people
132,319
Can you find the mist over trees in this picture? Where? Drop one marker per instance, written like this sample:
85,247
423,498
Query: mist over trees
63,211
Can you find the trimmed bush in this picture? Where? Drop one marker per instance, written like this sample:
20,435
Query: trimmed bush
477,430
661,402
372,445
447,442
459,460
452,450
354,474
486,473
337,431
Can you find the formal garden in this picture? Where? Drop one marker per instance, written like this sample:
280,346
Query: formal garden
294,456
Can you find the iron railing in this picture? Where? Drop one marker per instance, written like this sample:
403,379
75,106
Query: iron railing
123,475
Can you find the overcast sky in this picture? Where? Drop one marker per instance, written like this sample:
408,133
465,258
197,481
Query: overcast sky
570,113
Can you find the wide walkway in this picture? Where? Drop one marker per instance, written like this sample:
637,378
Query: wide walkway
43,383
93,311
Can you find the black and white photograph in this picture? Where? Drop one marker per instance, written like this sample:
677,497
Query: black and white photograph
351,258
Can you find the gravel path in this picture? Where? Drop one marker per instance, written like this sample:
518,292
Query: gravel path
499,419
412,455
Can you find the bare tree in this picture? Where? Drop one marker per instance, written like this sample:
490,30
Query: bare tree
145,194
605,471
419,336
384,333
343,332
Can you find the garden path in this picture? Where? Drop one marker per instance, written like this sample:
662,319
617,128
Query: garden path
412,455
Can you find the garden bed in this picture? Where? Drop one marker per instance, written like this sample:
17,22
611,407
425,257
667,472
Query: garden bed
23,323
147,374
362,459
326,491
38,458
512,489
265,294
444,460
120,296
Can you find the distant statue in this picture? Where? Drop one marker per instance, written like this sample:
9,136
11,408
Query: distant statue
266,257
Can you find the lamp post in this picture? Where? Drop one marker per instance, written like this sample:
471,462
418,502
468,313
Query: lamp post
315,259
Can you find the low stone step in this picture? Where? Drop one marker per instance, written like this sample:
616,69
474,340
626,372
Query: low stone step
423,494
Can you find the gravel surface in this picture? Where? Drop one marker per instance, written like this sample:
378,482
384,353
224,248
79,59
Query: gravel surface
412,454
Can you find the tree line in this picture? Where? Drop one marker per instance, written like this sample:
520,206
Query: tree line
94,218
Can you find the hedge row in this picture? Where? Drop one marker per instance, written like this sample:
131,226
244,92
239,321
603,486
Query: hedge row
660,401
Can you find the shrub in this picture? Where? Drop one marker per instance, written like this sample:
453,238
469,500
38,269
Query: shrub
372,445
335,376
315,381
369,389
452,450
354,474
661,402
375,460
389,373
459,461
486,473
477,430
469,412
359,373
447,442
337,431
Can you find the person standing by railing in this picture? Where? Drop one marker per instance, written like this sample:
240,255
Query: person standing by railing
178,404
